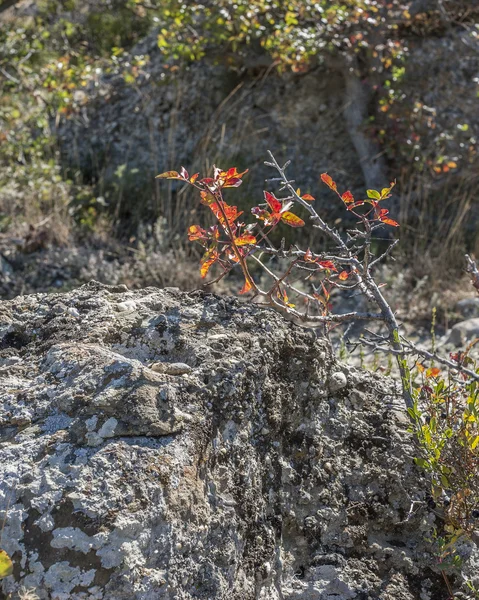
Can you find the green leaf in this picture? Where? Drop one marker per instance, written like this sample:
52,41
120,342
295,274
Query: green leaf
475,442
6,565
374,194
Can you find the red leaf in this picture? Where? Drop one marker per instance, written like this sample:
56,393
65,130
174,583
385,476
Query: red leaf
308,197
246,288
325,178
347,197
273,202
184,173
245,240
194,177
343,275
291,219
327,264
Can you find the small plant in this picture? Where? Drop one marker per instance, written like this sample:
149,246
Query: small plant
300,283
445,421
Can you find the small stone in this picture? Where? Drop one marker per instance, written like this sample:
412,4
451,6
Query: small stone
171,368
338,381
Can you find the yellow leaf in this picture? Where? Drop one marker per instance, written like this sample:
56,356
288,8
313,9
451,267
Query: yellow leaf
6,565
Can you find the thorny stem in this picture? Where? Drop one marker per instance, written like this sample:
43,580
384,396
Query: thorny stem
365,280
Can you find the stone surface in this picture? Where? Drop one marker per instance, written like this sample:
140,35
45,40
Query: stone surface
251,466
464,332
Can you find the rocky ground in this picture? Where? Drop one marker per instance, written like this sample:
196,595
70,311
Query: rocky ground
158,444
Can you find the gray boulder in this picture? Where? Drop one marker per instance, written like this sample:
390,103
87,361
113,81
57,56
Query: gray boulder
464,332
251,465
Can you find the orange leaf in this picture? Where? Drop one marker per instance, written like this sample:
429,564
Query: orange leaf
194,177
230,178
325,178
391,222
382,216
347,197
433,372
245,240
343,275
246,288
291,219
169,175
208,259
308,197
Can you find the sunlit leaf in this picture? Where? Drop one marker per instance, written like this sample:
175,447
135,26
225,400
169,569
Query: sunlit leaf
194,177
347,197
246,288
327,264
169,175
343,275
207,261
433,372
391,222
245,240
308,197
291,219
282,295
374,194
195,232
325,178
184,173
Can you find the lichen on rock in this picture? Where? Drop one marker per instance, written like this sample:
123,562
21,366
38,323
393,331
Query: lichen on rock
161,445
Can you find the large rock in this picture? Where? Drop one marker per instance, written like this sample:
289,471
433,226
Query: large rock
464,332
162,445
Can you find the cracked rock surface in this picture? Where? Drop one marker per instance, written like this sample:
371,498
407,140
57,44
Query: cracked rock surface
163,445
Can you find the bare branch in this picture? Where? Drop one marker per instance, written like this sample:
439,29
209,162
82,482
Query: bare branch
473,271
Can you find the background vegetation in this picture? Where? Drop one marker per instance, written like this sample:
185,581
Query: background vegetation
99,96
